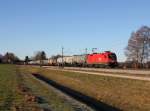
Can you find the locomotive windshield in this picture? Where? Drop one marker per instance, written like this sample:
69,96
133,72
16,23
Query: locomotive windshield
113,56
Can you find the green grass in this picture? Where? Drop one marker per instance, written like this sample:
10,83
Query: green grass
11,96
8,87
14,80
125,94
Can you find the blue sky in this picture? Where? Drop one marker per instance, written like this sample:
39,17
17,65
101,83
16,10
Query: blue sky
27,26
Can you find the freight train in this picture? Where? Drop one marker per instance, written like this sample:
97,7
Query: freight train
105,59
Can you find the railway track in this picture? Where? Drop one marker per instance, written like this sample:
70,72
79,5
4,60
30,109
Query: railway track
90,102
127,74
117,71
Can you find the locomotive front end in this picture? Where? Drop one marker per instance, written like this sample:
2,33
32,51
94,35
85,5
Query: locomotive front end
112,60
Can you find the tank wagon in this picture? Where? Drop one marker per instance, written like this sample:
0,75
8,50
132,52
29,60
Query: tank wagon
79,60
52,61
37,62
66,60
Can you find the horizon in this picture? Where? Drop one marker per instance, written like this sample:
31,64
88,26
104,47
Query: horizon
35,25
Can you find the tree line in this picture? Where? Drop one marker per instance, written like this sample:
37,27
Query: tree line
11,58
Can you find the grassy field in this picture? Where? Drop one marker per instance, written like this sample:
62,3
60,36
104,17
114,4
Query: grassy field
125,94
20,91
50,99
8,87
10,96
14,96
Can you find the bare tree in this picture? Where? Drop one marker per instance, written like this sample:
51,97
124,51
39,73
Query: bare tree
55,56
10,58
138,49
54,59
40,55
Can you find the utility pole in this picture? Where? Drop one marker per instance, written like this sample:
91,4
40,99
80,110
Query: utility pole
62,56
85,51
93,49
85,56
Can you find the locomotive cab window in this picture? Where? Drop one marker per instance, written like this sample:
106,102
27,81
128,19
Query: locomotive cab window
113,56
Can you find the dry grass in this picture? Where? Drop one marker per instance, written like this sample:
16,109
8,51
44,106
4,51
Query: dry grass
51,98
126,94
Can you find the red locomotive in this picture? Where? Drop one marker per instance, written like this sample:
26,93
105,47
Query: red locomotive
106,58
